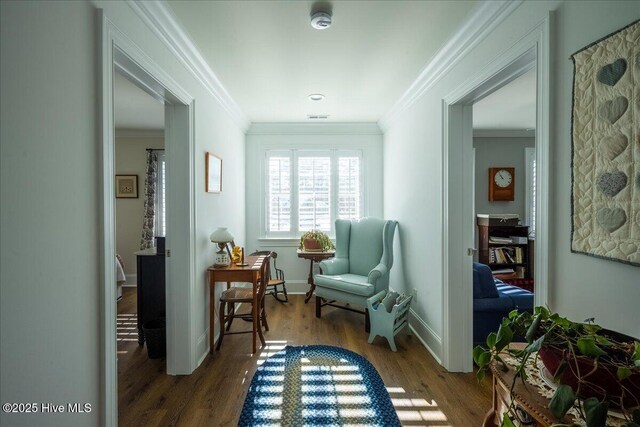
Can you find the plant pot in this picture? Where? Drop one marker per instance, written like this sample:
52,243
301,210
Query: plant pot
312,245
603,383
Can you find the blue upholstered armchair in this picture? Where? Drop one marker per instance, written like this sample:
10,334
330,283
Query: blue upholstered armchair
360,269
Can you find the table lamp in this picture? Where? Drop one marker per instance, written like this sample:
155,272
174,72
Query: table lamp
221,236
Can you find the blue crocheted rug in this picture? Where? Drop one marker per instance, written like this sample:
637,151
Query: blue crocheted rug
317,385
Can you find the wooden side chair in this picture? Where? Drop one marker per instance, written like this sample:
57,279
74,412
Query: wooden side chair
276,279
236,295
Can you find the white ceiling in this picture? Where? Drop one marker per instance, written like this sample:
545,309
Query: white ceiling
135,108
512,107
270,59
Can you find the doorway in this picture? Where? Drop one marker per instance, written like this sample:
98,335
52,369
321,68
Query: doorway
119,54
140,221
532,51
504,202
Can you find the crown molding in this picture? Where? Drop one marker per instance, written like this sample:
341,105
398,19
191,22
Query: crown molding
164,24
504,133
140,133
314,129
484,19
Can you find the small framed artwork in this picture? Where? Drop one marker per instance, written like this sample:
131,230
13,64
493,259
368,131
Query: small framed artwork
126,186
213,171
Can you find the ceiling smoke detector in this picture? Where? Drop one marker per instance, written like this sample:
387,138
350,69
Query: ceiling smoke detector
320,20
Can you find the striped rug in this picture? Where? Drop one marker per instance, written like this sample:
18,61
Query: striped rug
317,385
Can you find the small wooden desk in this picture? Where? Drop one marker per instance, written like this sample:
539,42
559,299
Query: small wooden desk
317,257
234,273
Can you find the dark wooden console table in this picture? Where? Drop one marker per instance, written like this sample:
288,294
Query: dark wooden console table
313,257
150,289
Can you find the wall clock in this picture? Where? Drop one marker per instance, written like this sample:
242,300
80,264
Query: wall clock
501,184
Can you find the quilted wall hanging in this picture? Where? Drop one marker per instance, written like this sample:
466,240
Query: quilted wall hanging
605,163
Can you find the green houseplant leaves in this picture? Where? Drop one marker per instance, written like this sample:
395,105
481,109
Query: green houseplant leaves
574,341
319,236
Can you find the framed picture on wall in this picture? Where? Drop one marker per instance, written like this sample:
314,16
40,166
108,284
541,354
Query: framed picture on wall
126,186
213,171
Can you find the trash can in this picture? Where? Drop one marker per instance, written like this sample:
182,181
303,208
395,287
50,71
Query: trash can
155,334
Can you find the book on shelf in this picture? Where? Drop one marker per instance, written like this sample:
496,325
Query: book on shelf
503,255
520,272
503,240
503,271
519,240
519,255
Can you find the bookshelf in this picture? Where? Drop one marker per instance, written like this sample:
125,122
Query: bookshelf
504,248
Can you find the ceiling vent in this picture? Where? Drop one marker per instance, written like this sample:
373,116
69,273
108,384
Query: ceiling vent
320,20
317,116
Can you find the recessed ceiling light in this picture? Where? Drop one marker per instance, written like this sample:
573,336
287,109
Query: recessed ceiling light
316,97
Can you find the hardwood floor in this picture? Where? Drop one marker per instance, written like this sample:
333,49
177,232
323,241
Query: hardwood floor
423,393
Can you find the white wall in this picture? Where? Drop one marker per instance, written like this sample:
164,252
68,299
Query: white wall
50,200
580,286
131,159
501,152
261,137
583,286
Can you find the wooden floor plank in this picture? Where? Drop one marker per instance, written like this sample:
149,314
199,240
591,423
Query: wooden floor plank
423,392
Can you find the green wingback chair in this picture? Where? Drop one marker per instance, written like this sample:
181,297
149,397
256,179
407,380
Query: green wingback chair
360,269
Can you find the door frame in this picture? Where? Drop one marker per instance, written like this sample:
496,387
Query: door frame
117,52
530,51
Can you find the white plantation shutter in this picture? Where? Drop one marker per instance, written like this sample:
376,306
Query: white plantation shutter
314,193
349,188
279,194
310,189
160,226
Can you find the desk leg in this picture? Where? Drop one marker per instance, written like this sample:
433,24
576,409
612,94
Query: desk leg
212,315
255,311
312,286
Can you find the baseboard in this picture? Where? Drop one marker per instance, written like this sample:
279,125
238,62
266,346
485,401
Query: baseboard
203,347
296,287
427,336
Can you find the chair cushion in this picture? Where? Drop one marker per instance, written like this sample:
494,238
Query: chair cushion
350,283
483,283
522,299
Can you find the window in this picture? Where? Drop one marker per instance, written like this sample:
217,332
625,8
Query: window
530,189
160,226
310,189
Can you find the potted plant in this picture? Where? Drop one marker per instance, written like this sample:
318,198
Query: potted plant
315,240
596,369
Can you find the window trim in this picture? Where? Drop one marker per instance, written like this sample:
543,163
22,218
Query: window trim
293,235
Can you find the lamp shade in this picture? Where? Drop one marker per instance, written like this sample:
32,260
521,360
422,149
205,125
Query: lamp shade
221,235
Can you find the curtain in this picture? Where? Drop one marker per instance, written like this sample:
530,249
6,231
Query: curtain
149,212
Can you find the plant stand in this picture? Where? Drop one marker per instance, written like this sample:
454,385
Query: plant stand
387,324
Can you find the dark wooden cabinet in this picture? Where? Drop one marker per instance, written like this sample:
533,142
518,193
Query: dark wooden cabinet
151,288
505,247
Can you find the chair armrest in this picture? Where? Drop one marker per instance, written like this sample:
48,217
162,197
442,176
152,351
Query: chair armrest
377,272
334,266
